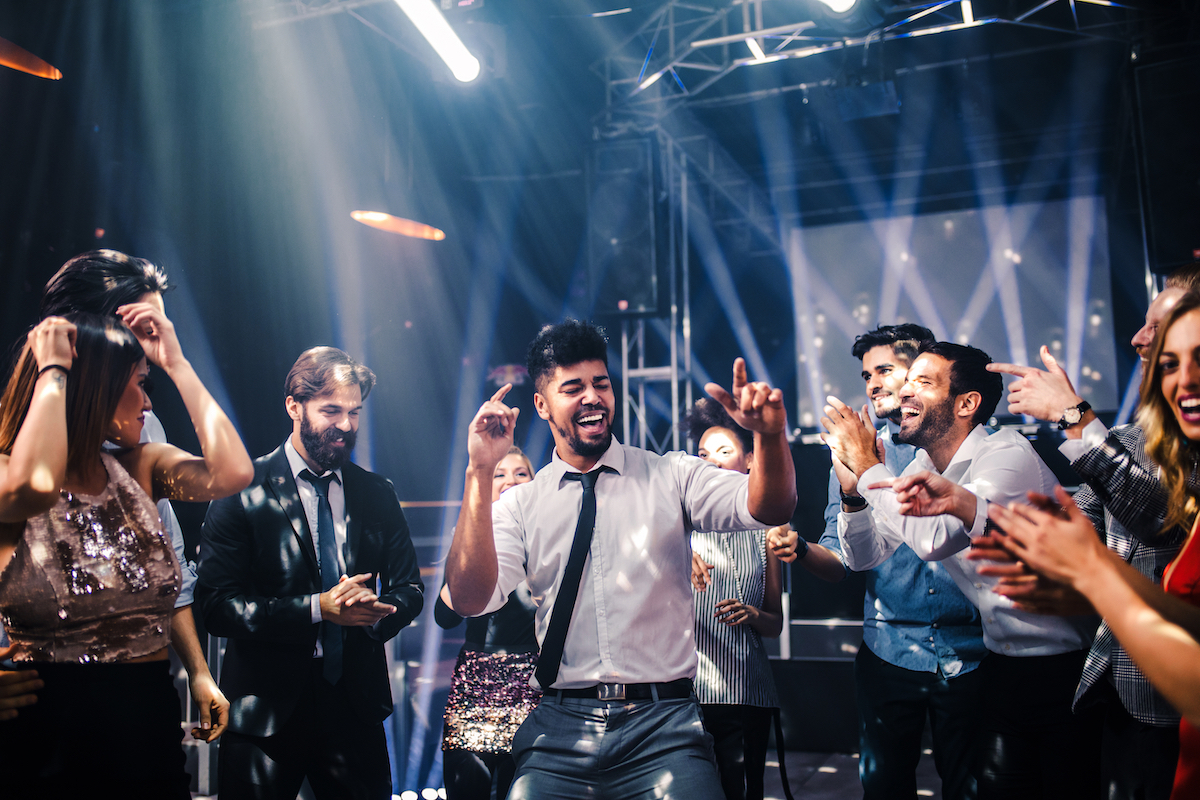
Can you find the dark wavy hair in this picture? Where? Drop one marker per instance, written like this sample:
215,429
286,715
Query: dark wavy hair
905,339
969,373
1166,444
100,282
708,413
319,369
562,345
106,354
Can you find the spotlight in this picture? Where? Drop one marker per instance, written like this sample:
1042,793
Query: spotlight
433,26
24,61
398,225
846,16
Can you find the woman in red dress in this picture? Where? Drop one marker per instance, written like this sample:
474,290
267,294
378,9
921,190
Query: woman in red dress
1159,627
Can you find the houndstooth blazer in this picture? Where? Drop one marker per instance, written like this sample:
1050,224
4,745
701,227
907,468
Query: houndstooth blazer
1123,497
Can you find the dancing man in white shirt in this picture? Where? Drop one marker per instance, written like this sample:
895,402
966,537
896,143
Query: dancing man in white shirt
1032,745
619,718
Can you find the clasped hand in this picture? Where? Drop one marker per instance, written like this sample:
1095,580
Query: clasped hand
352,603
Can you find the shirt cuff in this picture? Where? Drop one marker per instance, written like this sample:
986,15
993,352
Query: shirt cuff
979,528
1094,433
314,605
875,474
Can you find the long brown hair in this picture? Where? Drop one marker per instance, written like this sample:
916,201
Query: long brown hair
1166,443
106,354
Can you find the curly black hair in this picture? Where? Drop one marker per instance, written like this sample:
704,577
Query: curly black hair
708,413
562,345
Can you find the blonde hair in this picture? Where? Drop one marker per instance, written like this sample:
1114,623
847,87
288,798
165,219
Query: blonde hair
1166,444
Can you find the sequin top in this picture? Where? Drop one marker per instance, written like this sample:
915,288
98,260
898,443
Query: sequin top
94,579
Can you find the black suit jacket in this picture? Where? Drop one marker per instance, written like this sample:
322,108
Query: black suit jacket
258,569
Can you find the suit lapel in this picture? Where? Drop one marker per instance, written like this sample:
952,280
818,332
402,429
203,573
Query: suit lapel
352,487
281,483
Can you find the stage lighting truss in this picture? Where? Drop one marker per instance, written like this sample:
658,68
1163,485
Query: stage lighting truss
685,47
424,15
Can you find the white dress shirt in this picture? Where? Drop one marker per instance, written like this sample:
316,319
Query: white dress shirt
633,620
1000,468
337,505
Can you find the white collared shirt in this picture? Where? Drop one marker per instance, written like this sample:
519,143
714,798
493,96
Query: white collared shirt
1000,468
633,620
308,500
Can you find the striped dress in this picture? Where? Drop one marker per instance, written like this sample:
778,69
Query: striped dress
733,667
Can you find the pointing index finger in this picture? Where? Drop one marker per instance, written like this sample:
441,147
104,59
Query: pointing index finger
1010,369
501,392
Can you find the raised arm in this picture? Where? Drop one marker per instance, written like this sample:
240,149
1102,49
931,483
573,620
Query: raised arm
759,408
225,467
1158,631
471,566
34,470
1043,394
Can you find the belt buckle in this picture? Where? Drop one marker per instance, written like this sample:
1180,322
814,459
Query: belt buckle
611,691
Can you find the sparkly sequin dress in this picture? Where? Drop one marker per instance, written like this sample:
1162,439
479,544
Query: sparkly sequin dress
490,697
91,585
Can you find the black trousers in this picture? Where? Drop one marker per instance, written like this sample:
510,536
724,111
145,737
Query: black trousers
893,704
324,741
740,735
1137,760
1032,745
105,730
469,775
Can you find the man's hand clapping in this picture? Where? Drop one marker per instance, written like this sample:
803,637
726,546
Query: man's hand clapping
352,603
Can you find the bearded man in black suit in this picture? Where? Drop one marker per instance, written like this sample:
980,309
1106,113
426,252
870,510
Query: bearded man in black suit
308,573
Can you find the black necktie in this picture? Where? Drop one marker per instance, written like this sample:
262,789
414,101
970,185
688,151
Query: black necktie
568,591
331,633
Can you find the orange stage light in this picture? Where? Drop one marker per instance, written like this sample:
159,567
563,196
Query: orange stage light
25,61
404,227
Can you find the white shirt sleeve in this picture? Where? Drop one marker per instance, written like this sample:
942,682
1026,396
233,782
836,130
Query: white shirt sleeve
931,538
868,537
1094,433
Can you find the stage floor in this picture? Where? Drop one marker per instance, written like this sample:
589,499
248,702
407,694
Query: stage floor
834,776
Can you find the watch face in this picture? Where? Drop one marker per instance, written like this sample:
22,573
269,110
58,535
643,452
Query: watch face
1072,416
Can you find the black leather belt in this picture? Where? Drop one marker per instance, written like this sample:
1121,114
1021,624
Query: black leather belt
621,692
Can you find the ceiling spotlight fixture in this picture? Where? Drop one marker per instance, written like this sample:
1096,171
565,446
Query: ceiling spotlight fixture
839,6
398,225
433,26
24,61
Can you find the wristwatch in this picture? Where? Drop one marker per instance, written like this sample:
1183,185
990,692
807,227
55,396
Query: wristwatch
1073,415
853,500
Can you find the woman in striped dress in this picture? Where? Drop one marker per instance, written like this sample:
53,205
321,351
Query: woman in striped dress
740,604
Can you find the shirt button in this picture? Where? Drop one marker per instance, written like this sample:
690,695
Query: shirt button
931,591
1008,647
979,586
991,621
935,626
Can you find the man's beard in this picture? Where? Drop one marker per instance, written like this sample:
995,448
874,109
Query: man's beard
892,413
935,423
584,447
320,446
